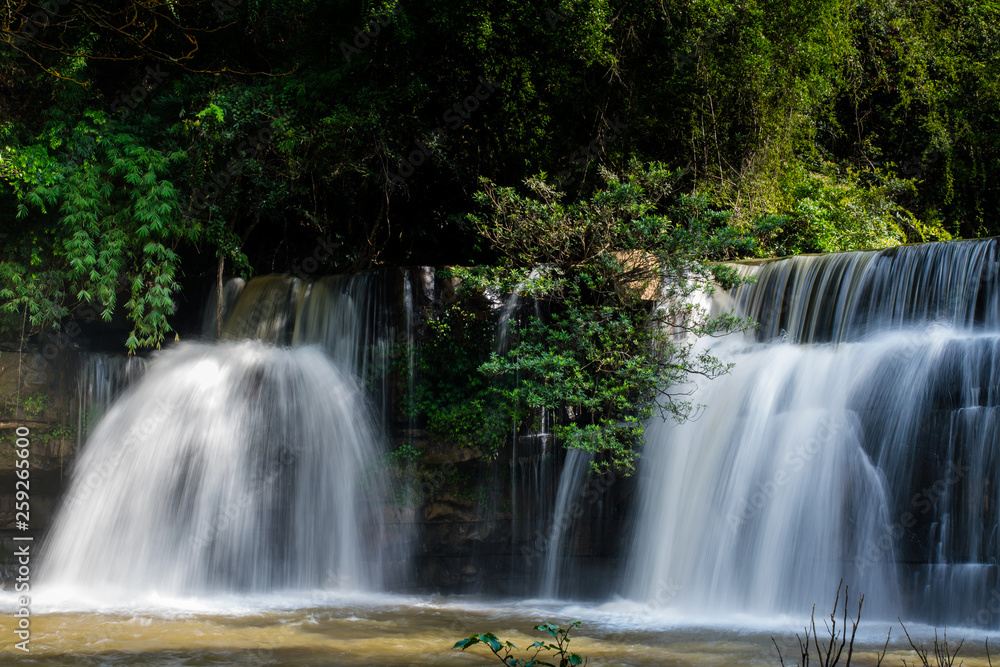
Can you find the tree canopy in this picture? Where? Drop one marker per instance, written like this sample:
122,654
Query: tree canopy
142,143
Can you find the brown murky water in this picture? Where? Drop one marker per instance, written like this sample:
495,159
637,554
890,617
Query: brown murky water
395,632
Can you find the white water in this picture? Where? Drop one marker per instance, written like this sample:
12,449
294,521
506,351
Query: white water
566,510
229,468
766,500
102,378
346,316
411,319
872,458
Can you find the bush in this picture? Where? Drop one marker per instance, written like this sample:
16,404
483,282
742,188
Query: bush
617,278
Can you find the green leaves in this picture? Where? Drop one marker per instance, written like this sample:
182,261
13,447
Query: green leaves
539,228
747,102
459,403
504,650
614,278
489,639
118,221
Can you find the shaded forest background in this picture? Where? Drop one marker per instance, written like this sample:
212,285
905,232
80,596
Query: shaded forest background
143,141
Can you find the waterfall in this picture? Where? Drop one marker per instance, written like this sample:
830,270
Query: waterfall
101,379
237,467
412,320
563,530
566,510
211,325
346,315
856,438
507,306
848,296
240,465
534,462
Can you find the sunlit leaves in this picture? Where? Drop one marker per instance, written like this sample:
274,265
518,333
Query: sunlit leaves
114,218
504,650
617,279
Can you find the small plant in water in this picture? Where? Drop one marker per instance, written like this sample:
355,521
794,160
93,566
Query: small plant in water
504,650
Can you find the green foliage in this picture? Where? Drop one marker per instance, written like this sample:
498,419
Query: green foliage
924,81
405,453
504,650
46,438
802,126
111,223
620,282
100,222
833,212
819,211
34,404
541,229
457,402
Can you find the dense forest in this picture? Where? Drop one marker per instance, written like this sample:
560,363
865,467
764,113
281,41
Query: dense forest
144,143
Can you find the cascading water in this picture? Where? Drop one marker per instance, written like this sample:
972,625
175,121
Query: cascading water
571,479
102,378
856,438
534,466
211,325
345,315
412,320
558,514
239,466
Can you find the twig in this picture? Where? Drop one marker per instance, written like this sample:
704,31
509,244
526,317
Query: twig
885,649
782,660
943,657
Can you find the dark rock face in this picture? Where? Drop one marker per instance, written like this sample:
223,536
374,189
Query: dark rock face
37,393
495,526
